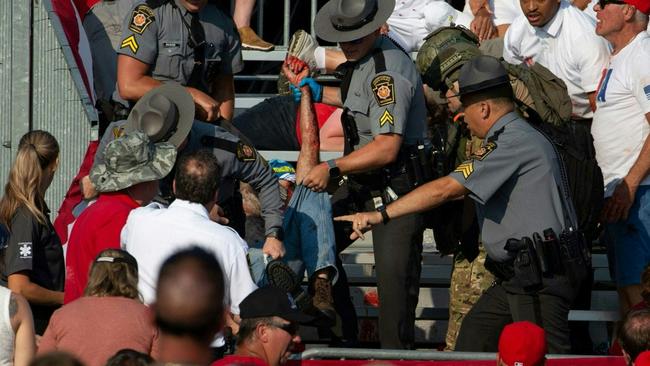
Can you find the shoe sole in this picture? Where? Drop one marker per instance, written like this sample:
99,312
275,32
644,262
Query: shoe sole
257,48
282,276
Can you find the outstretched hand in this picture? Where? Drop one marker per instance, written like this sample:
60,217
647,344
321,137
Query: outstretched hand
361,222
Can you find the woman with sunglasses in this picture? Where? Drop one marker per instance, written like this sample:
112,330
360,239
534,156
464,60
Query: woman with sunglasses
32,260
109,317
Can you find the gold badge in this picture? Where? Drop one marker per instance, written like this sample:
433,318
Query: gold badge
386,118
245,152
483,151
118,132
466,168
384,89
130,43
141,17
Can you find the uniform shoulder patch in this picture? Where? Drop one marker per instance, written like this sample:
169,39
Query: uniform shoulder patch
386,117
383,87
466,169
130,43
245,152
141,17
484,151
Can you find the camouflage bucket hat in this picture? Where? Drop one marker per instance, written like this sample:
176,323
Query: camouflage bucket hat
444,52
132,159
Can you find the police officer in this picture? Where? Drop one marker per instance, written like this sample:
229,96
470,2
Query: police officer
384,124
190,42
516,181
166,114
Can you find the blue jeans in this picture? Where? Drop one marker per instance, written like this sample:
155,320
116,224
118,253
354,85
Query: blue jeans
631,240
308,237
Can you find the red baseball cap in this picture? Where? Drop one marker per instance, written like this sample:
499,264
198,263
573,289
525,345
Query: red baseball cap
643,359
642,5
522,344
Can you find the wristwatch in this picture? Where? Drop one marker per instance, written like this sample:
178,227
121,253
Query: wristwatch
334,171
384,215
277,233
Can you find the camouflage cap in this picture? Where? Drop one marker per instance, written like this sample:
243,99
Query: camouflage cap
443,53
132,159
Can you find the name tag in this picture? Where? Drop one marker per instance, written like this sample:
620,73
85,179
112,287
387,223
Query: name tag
171,44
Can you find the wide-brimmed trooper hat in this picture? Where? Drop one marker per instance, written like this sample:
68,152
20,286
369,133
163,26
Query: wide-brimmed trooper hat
347,20
165,114
482,73
132,159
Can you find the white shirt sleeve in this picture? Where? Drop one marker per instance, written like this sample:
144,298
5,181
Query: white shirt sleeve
241,283
639,80
511,45
592,58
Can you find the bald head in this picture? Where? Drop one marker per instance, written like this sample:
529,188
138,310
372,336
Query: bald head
634,334
189,295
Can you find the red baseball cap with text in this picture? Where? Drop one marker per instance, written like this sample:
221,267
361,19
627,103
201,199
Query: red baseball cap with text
642,5
522,344
643,359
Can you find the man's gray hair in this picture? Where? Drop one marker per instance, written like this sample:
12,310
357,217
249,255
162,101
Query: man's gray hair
641,18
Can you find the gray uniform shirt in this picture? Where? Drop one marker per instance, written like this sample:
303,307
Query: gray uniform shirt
157,36
245,164
387,102
516,183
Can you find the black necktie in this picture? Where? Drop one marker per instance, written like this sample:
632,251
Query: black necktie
197,42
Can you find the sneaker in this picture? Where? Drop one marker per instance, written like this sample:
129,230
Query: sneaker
302,45
322,299
251,41
283,277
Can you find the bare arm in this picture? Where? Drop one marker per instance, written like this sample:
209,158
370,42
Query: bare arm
592,100
23,324
617,207
332,96
421,199
20,283
133,80
223,92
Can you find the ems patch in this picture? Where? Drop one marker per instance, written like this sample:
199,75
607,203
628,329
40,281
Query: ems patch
483,151
384,89
466,168
245,152
25,250
141,17
646,90
386,118
130,43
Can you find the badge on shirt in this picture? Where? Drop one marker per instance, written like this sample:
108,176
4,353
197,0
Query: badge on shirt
25,250
130,43
483,151
245,152
386,118
141,17
466,168
118,132
384,89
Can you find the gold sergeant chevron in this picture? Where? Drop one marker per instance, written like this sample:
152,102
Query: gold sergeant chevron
467,168
386,118
131,43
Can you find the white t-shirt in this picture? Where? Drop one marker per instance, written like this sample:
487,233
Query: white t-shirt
568,46
153,233
620,127
503,11
412,20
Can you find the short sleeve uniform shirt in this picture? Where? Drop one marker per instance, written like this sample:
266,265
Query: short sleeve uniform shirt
391,101
515,181
159,36
34,248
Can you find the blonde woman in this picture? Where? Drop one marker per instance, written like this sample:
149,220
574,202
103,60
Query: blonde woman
32,262
108,318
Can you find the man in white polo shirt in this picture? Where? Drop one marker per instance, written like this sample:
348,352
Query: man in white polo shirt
620,129
561,38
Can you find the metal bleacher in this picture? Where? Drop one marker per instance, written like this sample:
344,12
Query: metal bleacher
358,259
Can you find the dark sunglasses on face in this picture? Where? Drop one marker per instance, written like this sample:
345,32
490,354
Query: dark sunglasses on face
603,3
291,328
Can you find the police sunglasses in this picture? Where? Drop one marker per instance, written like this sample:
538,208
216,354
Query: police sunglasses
291,328
603,3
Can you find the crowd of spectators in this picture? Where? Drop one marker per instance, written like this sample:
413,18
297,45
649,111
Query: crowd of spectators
185,246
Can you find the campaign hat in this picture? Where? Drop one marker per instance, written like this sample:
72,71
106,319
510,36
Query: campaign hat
348,20
482,73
